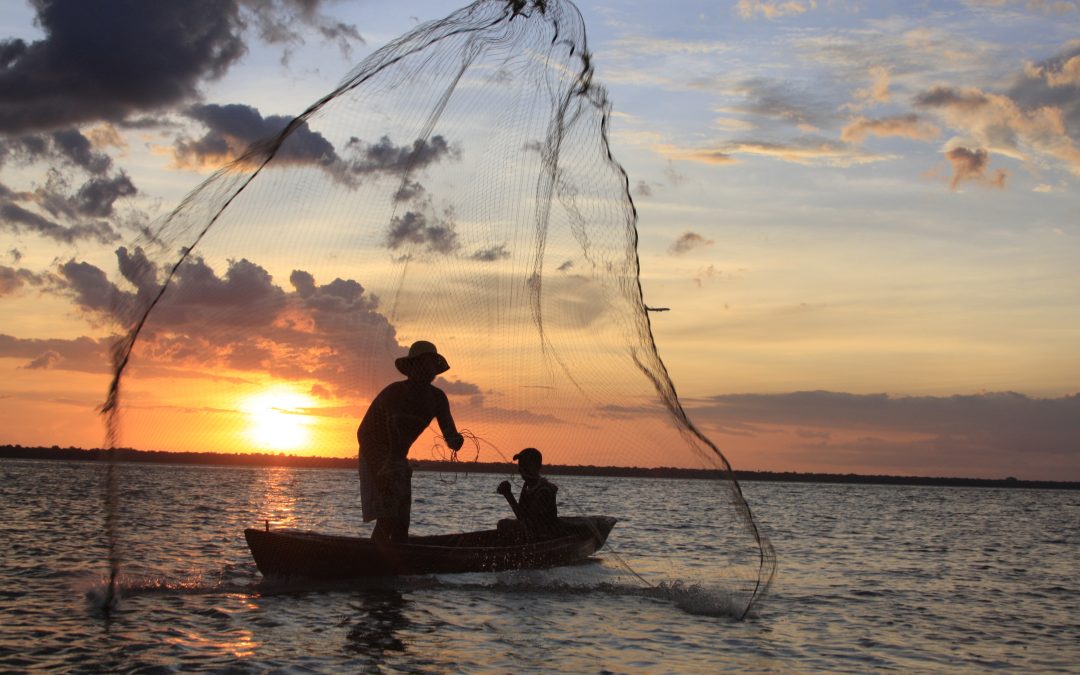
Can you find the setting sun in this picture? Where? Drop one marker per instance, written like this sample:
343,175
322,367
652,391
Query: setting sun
278,419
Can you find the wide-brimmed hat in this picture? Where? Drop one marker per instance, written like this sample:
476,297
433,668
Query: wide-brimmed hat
421,350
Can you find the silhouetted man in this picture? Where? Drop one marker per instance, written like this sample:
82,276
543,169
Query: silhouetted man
393,422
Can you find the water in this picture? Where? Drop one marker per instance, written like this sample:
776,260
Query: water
870,578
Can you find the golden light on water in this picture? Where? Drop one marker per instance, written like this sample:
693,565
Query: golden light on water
278,419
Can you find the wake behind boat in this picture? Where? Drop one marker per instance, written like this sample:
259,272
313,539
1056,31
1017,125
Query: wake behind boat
324,556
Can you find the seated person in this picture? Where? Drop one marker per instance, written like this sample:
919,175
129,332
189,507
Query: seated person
536,510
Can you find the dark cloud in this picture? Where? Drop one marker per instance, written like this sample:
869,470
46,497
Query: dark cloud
643,189
492,254
232,128
275,21
77,148
96,197
784,102
409,191
16,219
113,59
416,228
12,279
1005,433
386,157
949,97
82,354
91,288
1053,82
458,387
688,242
242,320
105,60
971,165
566,266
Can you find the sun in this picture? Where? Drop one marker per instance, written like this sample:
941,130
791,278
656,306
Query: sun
278,419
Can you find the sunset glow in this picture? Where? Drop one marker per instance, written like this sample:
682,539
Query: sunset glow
277,420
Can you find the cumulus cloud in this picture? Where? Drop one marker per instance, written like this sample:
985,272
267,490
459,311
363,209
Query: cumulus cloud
971,165
687,242
113,59
332,334
904,126
232,128
1033,120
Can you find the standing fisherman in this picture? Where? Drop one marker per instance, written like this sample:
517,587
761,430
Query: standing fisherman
393,422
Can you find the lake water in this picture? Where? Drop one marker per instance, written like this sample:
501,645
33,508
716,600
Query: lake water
869,578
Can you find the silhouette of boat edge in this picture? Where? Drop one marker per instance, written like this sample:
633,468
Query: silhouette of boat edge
297,553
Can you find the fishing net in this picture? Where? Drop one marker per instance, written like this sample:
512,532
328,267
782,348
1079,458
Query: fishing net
458,186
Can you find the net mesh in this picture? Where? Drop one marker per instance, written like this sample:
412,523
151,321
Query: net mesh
458,186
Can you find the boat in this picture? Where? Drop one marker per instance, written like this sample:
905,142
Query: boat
298,553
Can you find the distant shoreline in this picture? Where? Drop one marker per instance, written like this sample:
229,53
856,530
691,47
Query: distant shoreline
293,461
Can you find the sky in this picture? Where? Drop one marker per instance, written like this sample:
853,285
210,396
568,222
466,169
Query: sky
862,216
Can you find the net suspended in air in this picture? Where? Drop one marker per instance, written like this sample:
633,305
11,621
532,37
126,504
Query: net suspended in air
458,186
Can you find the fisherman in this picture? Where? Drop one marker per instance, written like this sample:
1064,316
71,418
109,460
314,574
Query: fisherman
392,423
536,510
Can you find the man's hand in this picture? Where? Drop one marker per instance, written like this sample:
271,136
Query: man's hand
504,488
455,441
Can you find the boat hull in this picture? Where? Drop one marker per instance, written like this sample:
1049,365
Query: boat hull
312,555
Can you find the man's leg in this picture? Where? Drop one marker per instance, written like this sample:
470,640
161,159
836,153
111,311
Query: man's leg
383,529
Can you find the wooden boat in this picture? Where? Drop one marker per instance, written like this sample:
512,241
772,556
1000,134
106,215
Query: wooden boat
324,556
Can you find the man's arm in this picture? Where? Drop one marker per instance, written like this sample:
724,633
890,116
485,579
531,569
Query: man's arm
446,421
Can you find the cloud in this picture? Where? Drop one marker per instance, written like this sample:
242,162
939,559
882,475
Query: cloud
11,279
687,242
970,165
783,102
807,151
81,354
44,362
429,232
1005,433
904,126
1036,119
113,59
699,155
103,61
386,157
231,129
16,219
492,254
773,9
332,334
878,91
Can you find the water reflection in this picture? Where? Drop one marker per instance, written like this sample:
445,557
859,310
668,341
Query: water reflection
279,497
380,617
